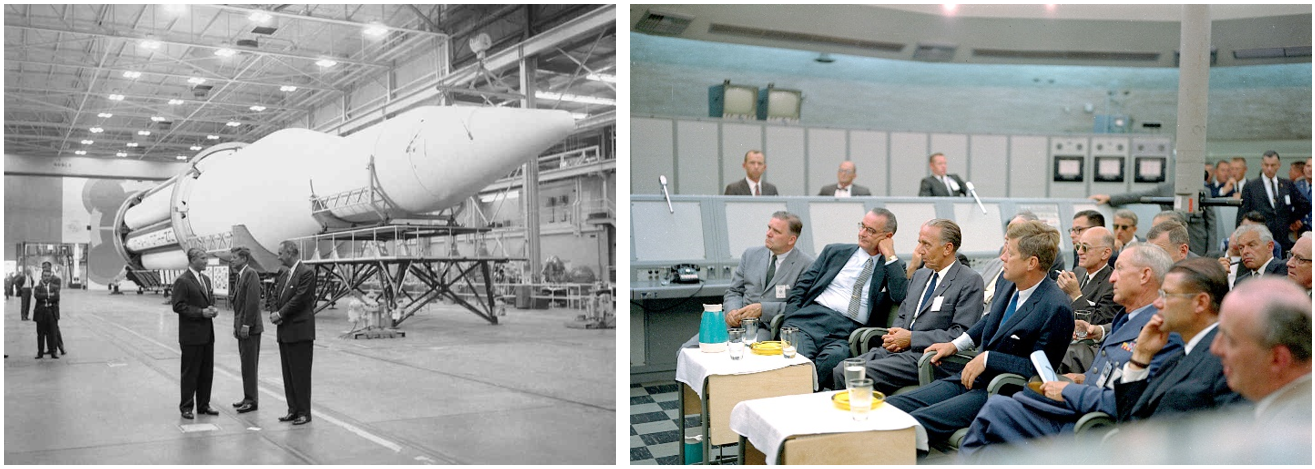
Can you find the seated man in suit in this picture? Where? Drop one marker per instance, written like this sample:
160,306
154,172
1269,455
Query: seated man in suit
1257,248
848,286
1083,221
1299,262
940,184
845,186
1193,380
1090,288
755,164
1137,278
1029,313
1264,343
761,284
945,299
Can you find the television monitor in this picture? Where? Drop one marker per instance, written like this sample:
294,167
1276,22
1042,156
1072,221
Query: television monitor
733,101
775,104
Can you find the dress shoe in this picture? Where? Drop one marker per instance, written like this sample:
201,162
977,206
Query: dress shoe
246,408
39,356
54,356
240,403
288,418
187,414
302,420
208,411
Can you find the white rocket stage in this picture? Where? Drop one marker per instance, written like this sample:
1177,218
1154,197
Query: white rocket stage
455,390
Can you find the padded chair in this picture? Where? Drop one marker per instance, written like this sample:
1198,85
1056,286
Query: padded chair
1004,384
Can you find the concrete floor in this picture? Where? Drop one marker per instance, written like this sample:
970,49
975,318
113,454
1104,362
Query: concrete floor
456,390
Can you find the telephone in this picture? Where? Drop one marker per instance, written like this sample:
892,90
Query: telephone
685,273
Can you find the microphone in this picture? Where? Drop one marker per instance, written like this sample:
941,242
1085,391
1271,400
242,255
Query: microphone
972,191
663,180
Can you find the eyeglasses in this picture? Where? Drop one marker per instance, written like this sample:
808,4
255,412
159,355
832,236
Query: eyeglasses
1118,227
846,171
1078,229
1086,247
1293,255
1164,294
869,230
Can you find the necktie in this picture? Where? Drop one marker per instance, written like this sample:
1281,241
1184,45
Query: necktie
946,180
1119,322
863,278
755,190
931,288
1083,284
1009,310
1273,192
771,270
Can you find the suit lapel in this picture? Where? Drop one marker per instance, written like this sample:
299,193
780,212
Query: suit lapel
941,285
838,261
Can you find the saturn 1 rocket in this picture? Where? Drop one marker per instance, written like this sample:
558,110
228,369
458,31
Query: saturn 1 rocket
295,182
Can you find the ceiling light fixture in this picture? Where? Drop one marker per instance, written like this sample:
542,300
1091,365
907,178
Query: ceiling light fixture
150,44
325,63
259,17
116,97
287,88
175,102
181,157
196,80
132,144
257,108
157,119
87,142
96,130
212,137
132,74
105,115
121,154
194,148
950,8
225,52
549,95
375,30
175,7
143,132
233,123
579,115
80,152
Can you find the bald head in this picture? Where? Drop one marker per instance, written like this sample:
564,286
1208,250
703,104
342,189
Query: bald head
1299,262
1095,247
1264,339
845,175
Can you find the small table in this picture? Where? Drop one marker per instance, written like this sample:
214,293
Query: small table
809,429
712,384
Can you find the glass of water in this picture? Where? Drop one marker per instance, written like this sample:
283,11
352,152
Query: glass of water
855,368
860,398
1083,315
735,345
789,337
750,330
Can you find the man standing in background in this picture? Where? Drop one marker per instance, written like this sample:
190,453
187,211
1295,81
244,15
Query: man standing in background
755,164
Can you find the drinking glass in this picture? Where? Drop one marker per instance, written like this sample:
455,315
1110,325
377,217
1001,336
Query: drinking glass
1085,316
855,368
860,398
789,337
750,330
736,343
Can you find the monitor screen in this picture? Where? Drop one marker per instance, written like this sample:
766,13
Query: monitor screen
740,101
783,104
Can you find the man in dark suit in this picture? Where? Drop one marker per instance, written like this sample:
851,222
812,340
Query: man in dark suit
940,184
945,299
295,317
1257,249
46,313
755,164
1137,278
193,301
848,286
1029,313
1092,292
845,187
247,327
24,284
761,284
1193,380
1272,197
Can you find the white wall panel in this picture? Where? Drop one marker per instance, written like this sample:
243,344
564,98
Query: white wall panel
785,159
826,150
989,164
1029,168
697,160
651,153
867,149
908,162
831,223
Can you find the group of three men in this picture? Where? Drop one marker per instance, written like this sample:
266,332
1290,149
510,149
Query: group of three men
193,301
850,285
938,184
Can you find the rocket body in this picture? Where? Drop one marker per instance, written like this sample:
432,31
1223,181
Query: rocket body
425,160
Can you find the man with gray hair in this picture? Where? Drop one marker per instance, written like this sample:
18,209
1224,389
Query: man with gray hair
247,326
1257,248
294,301
1137,278
1125,228
1264,342
193,300
1172,237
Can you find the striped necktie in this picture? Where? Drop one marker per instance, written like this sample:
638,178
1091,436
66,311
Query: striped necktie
857,298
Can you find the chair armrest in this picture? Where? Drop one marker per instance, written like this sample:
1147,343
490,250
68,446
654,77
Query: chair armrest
776,326
926,370
858,340
1002,380
1093,420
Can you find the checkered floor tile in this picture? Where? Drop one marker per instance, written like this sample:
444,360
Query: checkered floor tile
654,436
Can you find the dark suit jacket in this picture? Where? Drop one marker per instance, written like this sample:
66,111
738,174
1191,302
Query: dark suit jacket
932,187
46,292
855,190
296,304
886,288
1275,267
190,296
741,187
1278,217
1097,296
1185,383
1043,322
961,306
246,302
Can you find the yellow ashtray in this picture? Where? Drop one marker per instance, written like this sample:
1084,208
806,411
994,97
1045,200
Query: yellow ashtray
841,399
767,347
1035,386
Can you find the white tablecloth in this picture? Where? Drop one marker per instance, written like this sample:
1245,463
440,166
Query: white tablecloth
694,366
768,422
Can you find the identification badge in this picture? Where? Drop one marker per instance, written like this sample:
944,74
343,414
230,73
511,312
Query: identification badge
1287,200
936,303
1105,374
782,291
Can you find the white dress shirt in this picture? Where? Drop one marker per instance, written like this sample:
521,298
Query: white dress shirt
838,294
843,191
754,187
